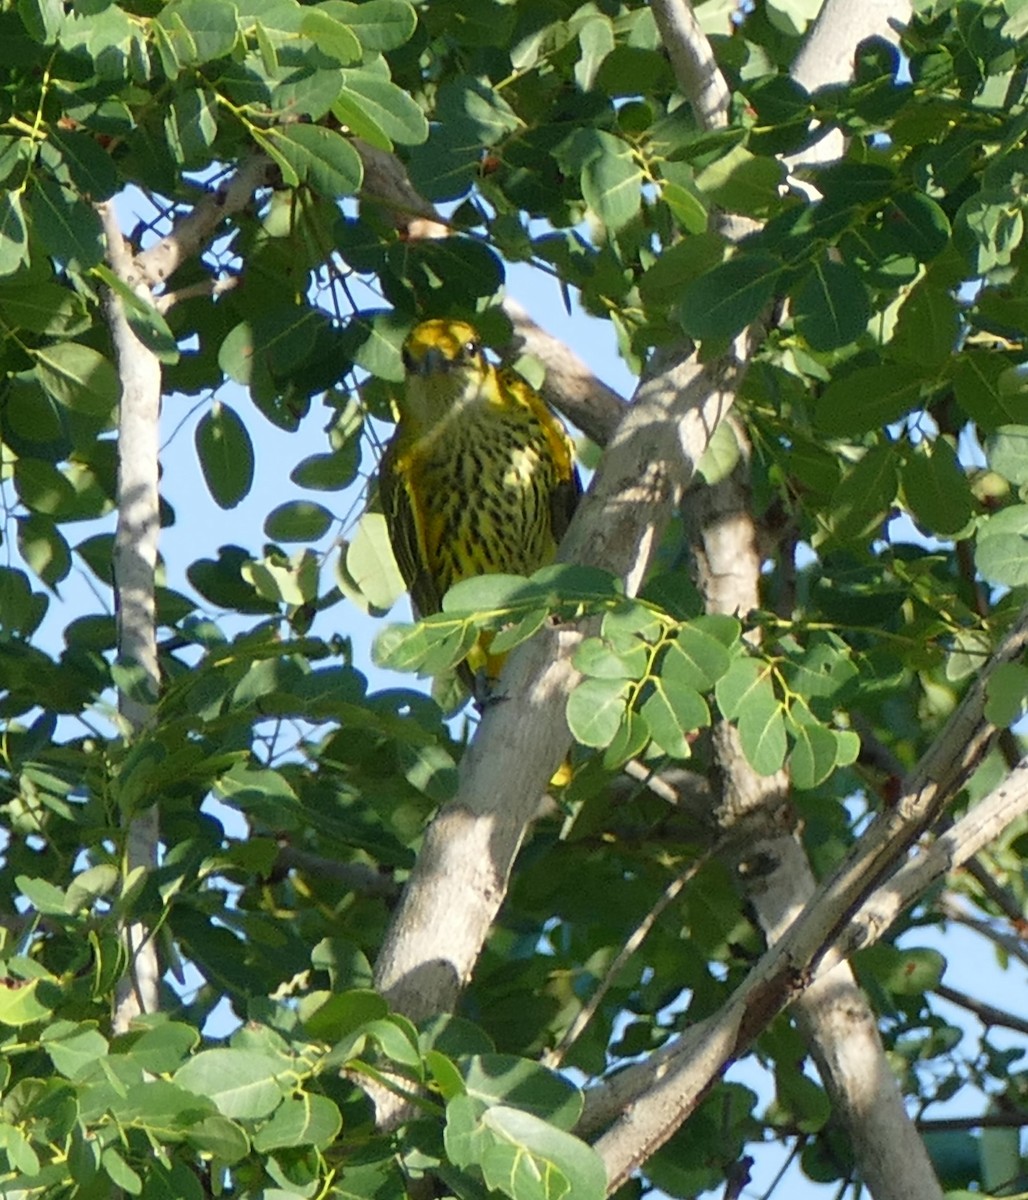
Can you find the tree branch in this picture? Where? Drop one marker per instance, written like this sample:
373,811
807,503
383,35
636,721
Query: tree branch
135,561
192,233
569,385
833,1014
988,1014
1006,942
653,1098
698,76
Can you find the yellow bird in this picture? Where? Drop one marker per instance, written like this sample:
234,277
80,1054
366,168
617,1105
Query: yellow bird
479,477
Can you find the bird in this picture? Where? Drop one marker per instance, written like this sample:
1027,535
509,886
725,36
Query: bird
478,478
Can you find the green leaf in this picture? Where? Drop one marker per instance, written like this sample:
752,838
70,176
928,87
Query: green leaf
291,581
916,224
486,594
1007,453
91,168
14,245
672,710
226,454
745,693
832,307
1002,551
298,521
20,1003
307,93
379,351
521,1155
742,182
505,1078
376,109
164,1048
762,734
936,489
696,658
42,18
304,1121
191,126
869,398
320,157
513,635
595,709
73,1049
928,327
328,472
242,1083
721,456
813,755
612,182
337,1017
630,740
379,24
595,657
45,897
44,548
331,36
988,389
743,676
366,570
121,1174
595,40
78,376
865,495
907,972
1007,694
42,307
68,228
723,301
199,31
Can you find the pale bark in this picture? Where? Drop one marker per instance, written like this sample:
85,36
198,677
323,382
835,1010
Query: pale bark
138,523
827,58
696,70
194,232
135,563
771,867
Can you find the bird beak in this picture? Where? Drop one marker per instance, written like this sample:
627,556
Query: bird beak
433,363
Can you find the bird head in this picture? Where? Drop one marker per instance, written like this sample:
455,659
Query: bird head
446,369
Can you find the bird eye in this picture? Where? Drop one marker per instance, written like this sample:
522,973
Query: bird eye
472,349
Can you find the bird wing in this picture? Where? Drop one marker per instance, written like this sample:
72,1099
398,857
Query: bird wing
563,502
406,531
567,489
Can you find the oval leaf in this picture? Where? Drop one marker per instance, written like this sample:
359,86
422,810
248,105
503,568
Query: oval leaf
226,455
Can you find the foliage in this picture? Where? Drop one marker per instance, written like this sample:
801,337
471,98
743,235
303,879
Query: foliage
887,415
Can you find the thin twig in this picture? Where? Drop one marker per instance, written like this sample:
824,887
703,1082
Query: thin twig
1003,900
554,1057
1006,942
988,1014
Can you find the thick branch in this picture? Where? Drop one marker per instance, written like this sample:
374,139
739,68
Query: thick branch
827,57
461,875
833,1014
